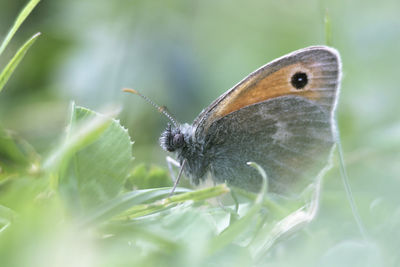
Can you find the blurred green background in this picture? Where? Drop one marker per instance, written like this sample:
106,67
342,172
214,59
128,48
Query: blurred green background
184,54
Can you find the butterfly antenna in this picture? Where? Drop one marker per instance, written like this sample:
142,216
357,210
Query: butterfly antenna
161,109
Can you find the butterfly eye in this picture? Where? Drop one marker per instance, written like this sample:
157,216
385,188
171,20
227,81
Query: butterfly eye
299,80
178,140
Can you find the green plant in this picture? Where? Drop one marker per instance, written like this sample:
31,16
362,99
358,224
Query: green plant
13,63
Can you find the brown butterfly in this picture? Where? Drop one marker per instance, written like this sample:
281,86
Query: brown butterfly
281,116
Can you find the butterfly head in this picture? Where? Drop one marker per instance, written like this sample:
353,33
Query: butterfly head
172,139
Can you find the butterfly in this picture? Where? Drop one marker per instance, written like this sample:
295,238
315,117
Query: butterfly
281,116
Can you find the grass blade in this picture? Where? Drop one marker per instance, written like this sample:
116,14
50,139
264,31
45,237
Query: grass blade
347,188
160,205
12,65
124,202
20,19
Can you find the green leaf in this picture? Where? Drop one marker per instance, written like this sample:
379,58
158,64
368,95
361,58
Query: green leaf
100,159
20,19
12,65
79,135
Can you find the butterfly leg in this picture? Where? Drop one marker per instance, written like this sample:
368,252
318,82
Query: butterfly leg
171,162
177,178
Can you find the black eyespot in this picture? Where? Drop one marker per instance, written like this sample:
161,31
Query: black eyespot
299,80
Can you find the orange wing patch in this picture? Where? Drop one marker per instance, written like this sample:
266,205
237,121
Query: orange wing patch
257,88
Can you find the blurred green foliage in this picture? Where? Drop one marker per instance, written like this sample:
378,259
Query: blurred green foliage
142,177
183,54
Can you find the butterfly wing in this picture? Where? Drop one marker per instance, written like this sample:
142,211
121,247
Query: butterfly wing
280,116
